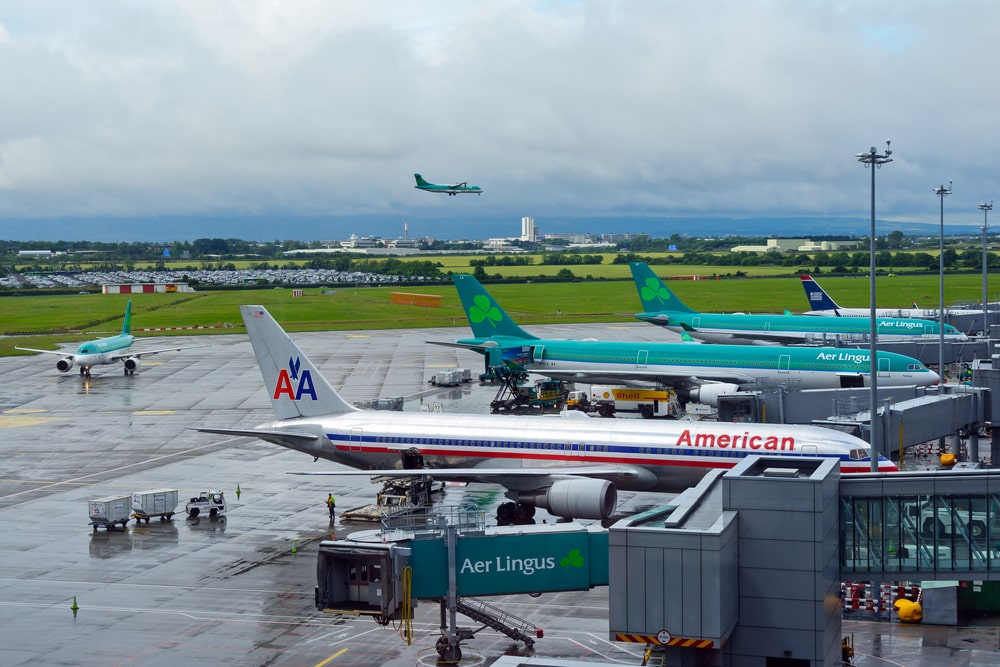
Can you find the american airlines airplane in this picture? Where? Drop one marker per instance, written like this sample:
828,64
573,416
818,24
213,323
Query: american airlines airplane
569,466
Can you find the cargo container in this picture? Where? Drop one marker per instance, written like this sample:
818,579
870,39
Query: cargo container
155,502
109,511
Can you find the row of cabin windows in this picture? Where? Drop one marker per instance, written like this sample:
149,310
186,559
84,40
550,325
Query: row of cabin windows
550,446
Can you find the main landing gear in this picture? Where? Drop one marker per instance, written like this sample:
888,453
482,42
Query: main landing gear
515,514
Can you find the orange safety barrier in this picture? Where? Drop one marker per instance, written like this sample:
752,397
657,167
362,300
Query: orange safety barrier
411,299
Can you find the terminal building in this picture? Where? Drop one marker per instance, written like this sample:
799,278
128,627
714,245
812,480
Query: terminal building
744,569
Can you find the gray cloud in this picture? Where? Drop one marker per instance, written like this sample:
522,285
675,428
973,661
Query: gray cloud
564,109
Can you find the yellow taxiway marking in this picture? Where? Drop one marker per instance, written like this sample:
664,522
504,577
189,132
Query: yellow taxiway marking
333,657
24,411
15,421
153,412
358,336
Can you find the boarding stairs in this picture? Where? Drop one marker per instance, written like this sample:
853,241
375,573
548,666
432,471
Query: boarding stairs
493,617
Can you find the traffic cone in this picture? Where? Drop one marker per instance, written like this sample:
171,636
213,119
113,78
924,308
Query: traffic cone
238,491
75,607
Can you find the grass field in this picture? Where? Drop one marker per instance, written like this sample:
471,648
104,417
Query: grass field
74,318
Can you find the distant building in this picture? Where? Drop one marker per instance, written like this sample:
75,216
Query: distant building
35,253
796,245
361,242
502,245
528,230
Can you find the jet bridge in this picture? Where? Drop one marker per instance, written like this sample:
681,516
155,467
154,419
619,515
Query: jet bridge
911,415
449,556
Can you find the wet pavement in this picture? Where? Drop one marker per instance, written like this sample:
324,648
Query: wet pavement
239,590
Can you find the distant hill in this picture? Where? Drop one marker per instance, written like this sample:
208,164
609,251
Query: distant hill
302,228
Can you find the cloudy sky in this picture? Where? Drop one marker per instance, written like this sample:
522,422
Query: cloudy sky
276,111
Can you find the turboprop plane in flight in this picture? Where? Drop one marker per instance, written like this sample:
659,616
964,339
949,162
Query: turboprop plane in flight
571,466
661,306
103,351
462,188
701,372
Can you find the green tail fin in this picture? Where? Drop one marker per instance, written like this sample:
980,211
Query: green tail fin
420,180
127,325
653,294
485,315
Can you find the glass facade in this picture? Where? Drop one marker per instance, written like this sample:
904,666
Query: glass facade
911,534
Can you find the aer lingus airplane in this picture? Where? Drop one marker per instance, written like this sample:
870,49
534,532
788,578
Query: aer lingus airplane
702,372
570,466
451,190
661,306
104,351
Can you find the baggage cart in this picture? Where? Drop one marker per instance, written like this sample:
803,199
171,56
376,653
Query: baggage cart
110,511
155,502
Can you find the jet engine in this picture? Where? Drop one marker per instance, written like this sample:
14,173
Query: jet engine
132,364
575,498
64,364
709,393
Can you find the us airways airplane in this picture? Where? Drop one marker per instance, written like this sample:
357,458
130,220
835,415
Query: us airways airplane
824,305
661,306
702,371
462,188
103,351
569,466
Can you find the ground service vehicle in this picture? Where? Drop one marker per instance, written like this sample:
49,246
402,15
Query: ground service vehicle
109,511
210,503
155,502
648,402
948,520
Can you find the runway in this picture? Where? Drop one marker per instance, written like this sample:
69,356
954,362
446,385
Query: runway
239,591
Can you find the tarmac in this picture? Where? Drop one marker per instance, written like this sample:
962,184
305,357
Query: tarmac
239,590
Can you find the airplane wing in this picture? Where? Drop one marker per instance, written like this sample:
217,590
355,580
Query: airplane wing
467,346
647,375
461,185
511,478
30,349
282,438
147,353
764,336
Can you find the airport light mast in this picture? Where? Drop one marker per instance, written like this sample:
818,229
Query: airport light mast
985,208
872,159
941,192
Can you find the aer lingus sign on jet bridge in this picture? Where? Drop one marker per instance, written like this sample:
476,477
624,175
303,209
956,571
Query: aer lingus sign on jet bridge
516,559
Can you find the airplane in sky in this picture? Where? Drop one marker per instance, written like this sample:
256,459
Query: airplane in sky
661,306
703,372
825,306
451,190
103,351
571,466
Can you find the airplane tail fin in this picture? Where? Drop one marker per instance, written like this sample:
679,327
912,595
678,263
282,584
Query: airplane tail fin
653,293
127,324
818,298
296,387
485,315
420,180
